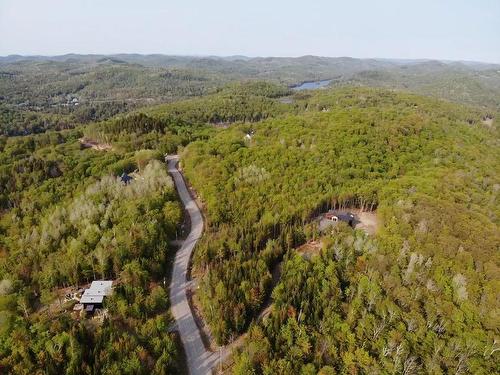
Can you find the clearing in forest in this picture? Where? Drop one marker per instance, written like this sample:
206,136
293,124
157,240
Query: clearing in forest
89,143
364,220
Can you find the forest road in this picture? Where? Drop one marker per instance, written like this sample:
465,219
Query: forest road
200,361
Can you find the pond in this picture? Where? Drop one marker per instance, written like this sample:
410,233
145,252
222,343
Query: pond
312,85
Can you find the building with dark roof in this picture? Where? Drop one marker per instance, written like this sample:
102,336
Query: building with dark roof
336,216
125,178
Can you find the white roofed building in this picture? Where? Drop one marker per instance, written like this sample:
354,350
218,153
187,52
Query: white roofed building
93,297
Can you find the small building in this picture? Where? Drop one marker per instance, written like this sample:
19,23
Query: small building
93,297
125,178
340,216
249,135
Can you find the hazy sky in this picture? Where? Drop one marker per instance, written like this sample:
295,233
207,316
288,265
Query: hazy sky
442,29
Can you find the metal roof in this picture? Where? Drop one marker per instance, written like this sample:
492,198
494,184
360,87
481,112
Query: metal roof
345,216
91,299
100,287
339,215
126,178
97,291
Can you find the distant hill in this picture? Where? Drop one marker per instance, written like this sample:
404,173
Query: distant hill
84,88
169,60
456,82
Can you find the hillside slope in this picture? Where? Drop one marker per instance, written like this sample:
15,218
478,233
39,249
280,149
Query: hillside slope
452,82
65,220
419,296
65,91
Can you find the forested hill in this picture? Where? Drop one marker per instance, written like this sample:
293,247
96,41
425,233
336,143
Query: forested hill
38,93
418,297
66,219
458,84
164,127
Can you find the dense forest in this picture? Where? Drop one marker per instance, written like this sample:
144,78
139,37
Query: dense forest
66,220
43,95
247,101
39,93
418,297
165,127
140,131
14,122
436,79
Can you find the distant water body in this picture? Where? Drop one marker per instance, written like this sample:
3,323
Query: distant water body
312,85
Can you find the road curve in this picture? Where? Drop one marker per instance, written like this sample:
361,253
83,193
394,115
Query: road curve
200,361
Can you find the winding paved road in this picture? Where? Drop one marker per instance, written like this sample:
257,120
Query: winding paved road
200,361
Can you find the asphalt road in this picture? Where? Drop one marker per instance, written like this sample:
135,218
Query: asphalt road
200,361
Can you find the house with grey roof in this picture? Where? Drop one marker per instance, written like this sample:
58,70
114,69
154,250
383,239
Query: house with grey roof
93,297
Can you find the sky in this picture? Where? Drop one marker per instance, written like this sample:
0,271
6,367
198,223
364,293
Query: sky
437,29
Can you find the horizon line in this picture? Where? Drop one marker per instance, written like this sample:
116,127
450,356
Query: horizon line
419,59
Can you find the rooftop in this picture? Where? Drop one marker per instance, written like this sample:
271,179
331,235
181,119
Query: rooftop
344,216
100,287
91,299
97,291
125,178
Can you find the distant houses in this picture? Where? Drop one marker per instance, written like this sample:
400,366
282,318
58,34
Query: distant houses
93,297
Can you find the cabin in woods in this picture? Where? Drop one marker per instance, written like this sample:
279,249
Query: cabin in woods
93,297
332,218
125,178
336,216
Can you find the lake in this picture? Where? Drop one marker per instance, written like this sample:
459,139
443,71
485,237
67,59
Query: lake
312,85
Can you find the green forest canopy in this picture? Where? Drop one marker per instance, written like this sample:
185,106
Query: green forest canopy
420,296
66,220
427,281
41,93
